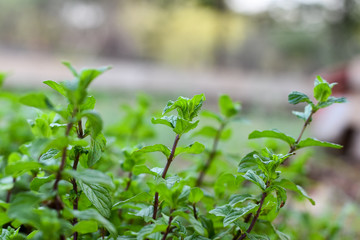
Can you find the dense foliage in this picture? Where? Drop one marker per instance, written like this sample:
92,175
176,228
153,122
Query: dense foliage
63,178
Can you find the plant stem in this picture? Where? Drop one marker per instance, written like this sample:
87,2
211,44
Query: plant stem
75,188
129,182
211,155
9,192
307,122
194,210
168,229
169,160
252,224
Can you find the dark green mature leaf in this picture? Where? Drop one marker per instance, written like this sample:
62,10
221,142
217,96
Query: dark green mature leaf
37,182
56,86
253,236
310,142
228,108
253,177
97,147
272,134
86,226
156,148
22,205
249,162
222,211
237,213
95,121
240,198
99,196
37,100
194,148
91,176
298,97
330,101
92,214
287,184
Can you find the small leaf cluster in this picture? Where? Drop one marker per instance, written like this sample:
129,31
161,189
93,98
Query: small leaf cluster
69,179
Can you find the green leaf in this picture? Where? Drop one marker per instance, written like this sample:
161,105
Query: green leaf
71,68
19,169
56,86
272,134
240,198
222,211
228,108
304,115
253,236
209,114
97,147
330,101
207,131
196,194
249,162
141,197
238,213
165,120
37,182
322,89
2,78
37,100
86,226
287,184
92,214
253,177
298,97
140,169
91,176
281,235
99,196
96,123
9,233
309,142
194,148
156,148
184,126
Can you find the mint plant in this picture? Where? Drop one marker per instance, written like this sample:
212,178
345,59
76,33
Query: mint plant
63,178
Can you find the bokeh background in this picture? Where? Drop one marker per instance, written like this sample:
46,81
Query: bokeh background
256,51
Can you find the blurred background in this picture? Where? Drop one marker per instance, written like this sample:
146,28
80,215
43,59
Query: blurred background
256,51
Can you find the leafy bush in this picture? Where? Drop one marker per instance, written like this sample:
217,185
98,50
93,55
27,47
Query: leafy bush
67,180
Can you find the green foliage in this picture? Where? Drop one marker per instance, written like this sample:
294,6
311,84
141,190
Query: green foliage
69,179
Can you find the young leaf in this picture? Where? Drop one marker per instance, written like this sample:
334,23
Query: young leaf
196,194
286,183
240,198
304,115
156,148
272,134
37,100
71,68
330,101
322,89
194,148
140,169
228,108
99,196
298,97
253,177
222,211
165,120
309,142
95,121
56,86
